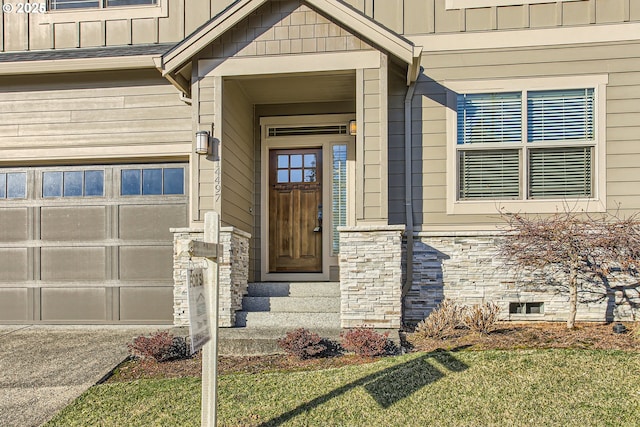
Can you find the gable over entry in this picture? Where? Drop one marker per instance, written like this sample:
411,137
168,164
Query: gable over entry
317,59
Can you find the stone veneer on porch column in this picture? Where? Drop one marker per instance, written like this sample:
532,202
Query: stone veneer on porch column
233,271
371,276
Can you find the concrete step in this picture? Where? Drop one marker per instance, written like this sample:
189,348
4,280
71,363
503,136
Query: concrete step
259,341
287,321
292,304
294,289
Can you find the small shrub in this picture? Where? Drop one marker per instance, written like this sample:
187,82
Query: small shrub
160,346
481,318
303,344
366,342
442,321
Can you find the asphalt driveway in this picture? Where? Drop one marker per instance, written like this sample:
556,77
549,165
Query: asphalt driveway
43,368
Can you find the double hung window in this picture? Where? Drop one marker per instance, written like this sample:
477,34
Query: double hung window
526,145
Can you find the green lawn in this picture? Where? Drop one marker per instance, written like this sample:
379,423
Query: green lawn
467,388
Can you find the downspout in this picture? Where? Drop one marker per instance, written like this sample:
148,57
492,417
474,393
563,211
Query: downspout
408,198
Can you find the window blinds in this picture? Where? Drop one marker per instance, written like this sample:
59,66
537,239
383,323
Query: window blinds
489,118
560,115
489,174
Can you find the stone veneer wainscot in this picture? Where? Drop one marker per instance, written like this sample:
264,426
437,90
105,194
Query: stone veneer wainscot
371,276
233,272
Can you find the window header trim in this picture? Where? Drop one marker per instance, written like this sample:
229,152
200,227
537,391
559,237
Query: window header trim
474,4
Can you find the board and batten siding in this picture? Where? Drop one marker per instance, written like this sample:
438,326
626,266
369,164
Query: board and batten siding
93,116
170,21
432,16
173,20
620,61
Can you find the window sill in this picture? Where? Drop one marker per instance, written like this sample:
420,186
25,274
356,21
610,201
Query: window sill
159,10
496,207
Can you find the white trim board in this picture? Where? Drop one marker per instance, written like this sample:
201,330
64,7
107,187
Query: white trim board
289,64
472,4
526,38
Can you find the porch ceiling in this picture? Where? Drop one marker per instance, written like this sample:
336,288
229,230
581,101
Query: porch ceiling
298,89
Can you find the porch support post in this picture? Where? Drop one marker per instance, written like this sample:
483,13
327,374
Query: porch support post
371,276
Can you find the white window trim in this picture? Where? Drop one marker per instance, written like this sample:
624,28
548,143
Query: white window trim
159,10
472,4
595,204
326,142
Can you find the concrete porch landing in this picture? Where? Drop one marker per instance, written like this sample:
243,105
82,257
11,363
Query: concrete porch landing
271,309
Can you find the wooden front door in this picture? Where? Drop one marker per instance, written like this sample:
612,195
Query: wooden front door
295,210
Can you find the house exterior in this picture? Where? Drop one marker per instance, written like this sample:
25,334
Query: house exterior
372,143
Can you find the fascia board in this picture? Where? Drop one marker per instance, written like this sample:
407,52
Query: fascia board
77,65
391,42
192,45
202,37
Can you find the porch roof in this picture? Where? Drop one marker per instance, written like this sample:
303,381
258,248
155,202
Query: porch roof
177,59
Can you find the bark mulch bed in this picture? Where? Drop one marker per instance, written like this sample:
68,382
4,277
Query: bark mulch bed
506,336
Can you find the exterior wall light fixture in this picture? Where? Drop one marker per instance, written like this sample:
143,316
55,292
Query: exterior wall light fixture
202,142
353,127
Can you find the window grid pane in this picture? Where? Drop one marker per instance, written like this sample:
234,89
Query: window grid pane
3,185
338,194
491,174
94,183
72,183
73,4
560,172
561,115
131,181
16,185
52,184
173,181
152,182
490,118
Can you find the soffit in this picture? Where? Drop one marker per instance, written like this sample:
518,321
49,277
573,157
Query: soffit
295,89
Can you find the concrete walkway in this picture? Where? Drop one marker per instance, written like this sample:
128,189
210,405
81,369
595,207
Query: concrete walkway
44,368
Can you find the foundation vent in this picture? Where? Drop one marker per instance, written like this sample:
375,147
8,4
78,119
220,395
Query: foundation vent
308,130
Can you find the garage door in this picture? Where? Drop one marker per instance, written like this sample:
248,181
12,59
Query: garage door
89,244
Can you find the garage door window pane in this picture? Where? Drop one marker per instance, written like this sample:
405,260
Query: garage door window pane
72,184
16,185
152,181
94,183
174,181
3,185
52,184
131,180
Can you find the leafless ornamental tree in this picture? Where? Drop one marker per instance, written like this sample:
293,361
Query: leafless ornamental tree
597,256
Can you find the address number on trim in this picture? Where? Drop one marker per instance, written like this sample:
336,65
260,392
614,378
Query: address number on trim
24,8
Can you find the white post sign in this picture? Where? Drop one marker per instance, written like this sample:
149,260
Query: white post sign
198,318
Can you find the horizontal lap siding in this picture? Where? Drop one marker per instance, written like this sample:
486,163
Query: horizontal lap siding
237,163
120,115
620,61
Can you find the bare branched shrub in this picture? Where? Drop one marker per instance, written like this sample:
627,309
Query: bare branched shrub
588,253
481,318
442,321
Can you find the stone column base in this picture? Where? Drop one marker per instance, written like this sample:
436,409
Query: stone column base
233,270
371,276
